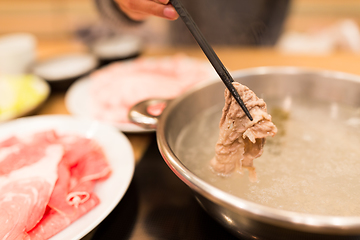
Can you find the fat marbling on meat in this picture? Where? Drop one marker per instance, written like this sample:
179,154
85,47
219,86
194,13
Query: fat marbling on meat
241,140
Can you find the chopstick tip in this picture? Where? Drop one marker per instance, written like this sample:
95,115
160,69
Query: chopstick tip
249,115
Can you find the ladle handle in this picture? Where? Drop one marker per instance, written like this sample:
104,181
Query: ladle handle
141,115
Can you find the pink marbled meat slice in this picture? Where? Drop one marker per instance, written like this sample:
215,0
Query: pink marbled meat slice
41,198
25,192
83,164
119,86
8,142
16,153
59,214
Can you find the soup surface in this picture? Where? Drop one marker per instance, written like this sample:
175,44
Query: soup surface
312,165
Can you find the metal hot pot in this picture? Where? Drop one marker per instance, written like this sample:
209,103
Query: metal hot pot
242,217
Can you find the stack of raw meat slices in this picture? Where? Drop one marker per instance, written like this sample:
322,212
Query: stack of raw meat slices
46,183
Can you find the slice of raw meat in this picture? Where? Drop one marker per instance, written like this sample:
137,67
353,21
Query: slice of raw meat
16,153
25,192
8,142
82,165
59,213
47,182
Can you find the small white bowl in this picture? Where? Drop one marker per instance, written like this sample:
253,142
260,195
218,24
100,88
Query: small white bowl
117,48
62,71
17,52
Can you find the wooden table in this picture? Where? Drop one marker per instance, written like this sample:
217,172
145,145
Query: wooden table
233,59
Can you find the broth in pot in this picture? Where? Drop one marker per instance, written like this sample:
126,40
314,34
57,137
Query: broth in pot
310,166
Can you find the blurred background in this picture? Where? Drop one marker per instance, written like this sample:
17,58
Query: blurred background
47,19
312,28
59,19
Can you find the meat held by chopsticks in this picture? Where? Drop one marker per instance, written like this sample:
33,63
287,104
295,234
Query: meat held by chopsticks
241,140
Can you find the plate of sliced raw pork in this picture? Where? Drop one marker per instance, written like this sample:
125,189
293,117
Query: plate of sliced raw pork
108,93
57,176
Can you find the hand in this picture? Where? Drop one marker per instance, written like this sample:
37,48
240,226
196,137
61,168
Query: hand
141,9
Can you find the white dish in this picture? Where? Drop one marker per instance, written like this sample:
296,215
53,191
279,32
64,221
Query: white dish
17,52
116,147
65,66
78,103
117,47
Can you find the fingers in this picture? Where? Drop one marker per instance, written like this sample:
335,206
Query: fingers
141,9
164,2
170,12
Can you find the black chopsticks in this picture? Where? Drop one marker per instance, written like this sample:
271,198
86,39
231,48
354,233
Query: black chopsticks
210,54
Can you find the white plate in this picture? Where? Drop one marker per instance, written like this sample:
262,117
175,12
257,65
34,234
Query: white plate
116,147
78,103
117,47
